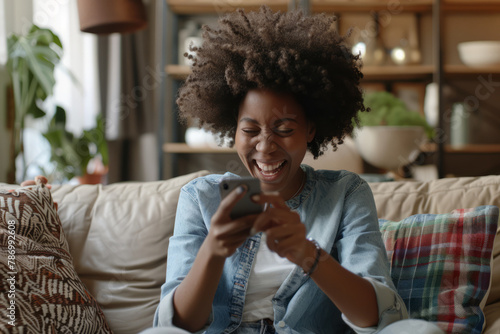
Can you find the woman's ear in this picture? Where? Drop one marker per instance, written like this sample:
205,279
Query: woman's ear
311,131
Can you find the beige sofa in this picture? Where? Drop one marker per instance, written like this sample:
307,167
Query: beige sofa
118,236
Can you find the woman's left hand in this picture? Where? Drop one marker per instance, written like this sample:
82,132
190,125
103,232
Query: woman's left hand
40,179
286,235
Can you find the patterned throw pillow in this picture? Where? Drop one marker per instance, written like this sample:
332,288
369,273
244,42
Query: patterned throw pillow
440,265
40,291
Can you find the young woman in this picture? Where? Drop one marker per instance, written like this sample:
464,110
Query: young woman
278,84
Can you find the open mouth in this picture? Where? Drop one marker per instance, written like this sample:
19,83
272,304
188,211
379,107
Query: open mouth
270,169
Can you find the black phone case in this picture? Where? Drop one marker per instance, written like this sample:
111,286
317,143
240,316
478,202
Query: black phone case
245,206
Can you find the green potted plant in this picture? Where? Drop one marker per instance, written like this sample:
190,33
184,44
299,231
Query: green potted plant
389,110
390,135
72,154
31,62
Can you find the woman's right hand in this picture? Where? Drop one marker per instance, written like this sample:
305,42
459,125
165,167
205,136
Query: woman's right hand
226,234
40,179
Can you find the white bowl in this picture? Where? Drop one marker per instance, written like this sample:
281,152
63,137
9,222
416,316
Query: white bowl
479,53
389,147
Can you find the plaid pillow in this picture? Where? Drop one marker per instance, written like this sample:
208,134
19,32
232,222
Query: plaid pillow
440,265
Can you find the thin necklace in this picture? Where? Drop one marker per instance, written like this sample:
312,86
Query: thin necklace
301,185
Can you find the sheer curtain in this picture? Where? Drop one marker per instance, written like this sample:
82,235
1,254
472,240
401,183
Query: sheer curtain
77,85
80,98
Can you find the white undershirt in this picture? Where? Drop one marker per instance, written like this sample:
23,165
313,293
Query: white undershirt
268,273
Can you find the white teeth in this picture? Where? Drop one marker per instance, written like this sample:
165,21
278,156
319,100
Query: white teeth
269,167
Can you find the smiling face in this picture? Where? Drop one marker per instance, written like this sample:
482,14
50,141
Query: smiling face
271,139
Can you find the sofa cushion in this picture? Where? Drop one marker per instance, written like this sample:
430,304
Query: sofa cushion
40,290
441,265
118,236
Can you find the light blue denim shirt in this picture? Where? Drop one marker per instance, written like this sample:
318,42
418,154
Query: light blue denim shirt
339,212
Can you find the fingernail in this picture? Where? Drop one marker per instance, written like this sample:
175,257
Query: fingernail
273,193
240,189
253,231
255,198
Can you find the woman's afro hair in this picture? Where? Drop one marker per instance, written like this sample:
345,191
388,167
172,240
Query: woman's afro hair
282,51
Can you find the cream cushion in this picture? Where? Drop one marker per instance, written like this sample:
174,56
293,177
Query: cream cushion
118,237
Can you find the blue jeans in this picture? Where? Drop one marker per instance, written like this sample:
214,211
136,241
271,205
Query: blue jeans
408,326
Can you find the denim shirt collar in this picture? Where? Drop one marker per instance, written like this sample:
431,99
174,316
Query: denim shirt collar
295,202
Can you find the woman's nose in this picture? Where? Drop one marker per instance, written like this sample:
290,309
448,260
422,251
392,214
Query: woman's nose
266,143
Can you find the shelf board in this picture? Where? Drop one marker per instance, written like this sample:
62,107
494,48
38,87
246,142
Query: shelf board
474,148
221,6
397,72
471,5
318,6
469,148
463,70
178,72
185,148
389,72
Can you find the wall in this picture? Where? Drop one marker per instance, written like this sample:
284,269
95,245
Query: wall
4,138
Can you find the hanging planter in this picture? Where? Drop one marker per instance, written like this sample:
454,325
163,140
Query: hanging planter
111,16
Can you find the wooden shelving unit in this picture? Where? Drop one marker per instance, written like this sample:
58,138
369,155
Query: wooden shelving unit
438,71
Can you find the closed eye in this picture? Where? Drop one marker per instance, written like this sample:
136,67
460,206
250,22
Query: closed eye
250,131
283,131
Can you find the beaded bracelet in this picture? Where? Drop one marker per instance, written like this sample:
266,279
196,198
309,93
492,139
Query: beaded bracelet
316,260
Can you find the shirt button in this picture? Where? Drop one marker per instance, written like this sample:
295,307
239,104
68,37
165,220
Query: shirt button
398,307
281,324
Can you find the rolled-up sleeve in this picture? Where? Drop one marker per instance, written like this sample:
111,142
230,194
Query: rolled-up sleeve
391,308
165,311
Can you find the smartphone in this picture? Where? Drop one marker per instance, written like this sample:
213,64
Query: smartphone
244,206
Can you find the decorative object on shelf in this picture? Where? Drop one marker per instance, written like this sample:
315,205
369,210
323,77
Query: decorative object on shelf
370,47
197,137
389,147
459,126
188,36
405,54
431,109
111,16
31,62
390,135
479,53
408,52
84,156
